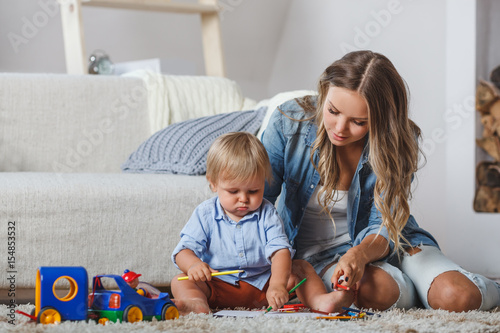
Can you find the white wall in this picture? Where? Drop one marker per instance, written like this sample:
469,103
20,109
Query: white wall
473,237
31,38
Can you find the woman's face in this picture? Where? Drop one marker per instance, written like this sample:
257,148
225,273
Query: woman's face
345,116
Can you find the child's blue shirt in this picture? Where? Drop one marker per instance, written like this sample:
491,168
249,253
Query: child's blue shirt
227,245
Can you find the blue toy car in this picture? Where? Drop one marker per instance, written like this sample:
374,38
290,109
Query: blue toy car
125,304
62,294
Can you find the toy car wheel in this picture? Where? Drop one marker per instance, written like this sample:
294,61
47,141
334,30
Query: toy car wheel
169,311
132,314
103,321
48,315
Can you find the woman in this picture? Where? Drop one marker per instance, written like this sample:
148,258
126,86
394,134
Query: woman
348,156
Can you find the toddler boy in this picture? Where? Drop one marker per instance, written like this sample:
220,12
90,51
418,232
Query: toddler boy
236,230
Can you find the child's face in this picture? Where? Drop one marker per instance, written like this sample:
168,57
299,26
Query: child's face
240,198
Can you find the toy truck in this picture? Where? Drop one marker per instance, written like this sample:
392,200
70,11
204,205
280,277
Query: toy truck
121,303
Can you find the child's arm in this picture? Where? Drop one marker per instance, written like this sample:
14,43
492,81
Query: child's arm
281,266
190,264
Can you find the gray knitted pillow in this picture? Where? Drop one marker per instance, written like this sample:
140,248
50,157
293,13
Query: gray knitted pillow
182,147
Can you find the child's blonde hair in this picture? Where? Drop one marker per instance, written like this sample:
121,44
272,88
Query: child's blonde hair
237,156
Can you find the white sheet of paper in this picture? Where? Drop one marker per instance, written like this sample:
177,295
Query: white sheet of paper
251,314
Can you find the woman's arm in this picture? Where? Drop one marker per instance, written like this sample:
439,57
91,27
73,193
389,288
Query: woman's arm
274,142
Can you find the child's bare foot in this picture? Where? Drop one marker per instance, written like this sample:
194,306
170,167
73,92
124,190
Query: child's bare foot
188,305
333,302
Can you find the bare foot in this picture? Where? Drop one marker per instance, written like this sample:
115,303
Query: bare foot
188,305
333,302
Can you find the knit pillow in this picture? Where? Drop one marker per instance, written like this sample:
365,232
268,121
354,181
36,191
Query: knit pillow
182,147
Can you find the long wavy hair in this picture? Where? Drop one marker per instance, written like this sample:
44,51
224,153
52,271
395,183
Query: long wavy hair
393,137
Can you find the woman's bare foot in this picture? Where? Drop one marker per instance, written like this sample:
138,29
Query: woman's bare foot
188,305
333,302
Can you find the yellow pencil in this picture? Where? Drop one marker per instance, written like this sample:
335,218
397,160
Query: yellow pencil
336,317
215,274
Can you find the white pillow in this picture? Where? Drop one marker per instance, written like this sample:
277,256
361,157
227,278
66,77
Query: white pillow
175,98
276,101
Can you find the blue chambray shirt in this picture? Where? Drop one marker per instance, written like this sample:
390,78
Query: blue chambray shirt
226,245
288,143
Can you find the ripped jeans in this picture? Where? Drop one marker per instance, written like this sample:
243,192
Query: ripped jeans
415,274
407,294
423,267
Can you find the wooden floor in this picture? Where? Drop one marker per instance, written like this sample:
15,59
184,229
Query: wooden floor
22,296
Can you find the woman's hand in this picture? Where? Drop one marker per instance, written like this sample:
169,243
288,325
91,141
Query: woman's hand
200,271
351,266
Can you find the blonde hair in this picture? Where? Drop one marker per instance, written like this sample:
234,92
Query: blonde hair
237,156
393,137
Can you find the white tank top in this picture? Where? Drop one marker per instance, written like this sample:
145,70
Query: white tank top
317,231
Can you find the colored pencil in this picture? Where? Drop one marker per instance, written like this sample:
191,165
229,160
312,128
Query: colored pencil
342,287
336,317
358,311
215,274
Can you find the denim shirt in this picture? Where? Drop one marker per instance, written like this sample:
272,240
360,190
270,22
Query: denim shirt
288,143
227,245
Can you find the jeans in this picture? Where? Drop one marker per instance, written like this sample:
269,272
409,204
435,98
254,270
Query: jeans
407,295
423,267
414,276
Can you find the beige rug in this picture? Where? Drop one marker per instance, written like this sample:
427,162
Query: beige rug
392,321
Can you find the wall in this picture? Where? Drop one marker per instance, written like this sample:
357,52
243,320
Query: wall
31,38
473,237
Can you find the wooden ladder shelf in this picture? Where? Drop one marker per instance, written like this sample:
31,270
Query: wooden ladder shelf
74,41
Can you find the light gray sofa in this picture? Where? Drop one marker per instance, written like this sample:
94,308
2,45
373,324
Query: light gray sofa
62,141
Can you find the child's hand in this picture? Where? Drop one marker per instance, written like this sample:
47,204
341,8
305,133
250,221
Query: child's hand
200,271
277,296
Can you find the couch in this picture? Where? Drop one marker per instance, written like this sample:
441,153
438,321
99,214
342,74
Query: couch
63,194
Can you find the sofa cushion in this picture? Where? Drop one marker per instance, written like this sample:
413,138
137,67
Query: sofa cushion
276,101
182,147
70,123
